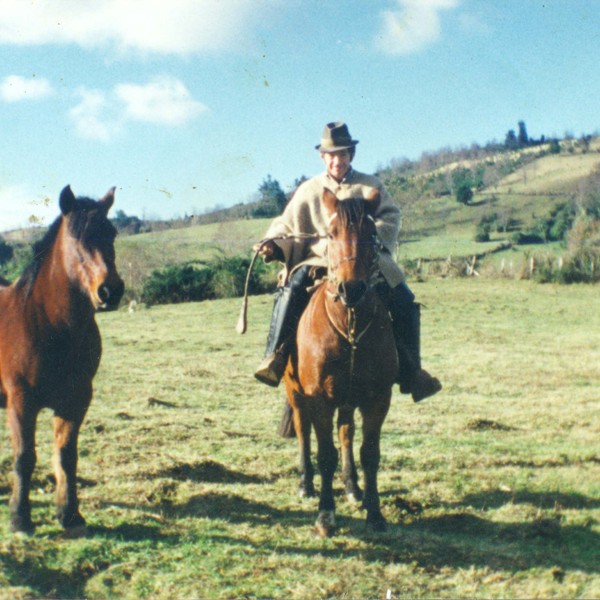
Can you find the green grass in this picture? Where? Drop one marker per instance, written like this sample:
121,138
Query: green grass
491,489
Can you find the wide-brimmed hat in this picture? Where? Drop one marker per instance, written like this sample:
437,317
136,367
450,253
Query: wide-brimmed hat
336,137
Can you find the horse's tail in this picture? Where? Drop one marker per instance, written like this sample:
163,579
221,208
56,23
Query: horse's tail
286,427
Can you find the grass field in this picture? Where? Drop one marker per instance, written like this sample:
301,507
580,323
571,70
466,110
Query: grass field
491,489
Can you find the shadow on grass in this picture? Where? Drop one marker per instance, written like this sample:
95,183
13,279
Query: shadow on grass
208,471
457,539
460,540
557,500
133,532
237,509
46,581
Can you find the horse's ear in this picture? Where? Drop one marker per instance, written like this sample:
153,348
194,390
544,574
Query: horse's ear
66,200
108,199
330,201
373,201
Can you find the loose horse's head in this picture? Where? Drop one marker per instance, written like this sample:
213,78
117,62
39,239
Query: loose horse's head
352,246
88,246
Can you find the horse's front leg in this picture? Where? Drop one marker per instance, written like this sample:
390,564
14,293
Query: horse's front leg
66,432
306,487
346,431
21,424
328,459
373,416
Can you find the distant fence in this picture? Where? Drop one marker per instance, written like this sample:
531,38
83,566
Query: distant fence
542,268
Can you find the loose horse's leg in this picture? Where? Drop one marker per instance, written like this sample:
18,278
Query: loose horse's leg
21,424
328,459
346,431
373,416
65,469
306,487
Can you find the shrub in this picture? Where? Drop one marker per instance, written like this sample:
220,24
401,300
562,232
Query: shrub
222,277
178,283
22,256
229,276
526,237
580,267
483,232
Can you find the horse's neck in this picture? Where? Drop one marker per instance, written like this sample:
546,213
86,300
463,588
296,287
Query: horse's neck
55,295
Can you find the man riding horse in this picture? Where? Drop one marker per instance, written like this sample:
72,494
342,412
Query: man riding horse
297,238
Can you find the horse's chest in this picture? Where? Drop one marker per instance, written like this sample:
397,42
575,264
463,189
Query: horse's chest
53,365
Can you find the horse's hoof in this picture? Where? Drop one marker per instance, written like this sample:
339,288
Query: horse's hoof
73,533
355,497
22,527
306,491
376,523
325,525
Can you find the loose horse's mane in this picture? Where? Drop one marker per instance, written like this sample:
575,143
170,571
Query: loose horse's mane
351,212
42,247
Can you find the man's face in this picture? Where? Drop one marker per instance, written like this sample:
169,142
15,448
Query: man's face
337,163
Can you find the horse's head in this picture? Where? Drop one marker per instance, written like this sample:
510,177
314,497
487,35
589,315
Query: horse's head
88,246
352,247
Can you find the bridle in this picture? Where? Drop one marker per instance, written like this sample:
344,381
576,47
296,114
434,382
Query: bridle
349,330
334,283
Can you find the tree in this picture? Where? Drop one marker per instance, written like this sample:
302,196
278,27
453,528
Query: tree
464,194
510,141
126,224
272,199
462,182
522,138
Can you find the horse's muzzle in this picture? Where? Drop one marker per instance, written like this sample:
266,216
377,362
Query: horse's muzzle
110,294
352,292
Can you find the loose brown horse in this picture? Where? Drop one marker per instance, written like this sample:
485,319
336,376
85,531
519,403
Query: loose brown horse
345,358
50,346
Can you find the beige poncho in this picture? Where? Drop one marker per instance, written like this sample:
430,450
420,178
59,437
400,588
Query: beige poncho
304,215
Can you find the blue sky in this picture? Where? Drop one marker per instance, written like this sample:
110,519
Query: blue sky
188,104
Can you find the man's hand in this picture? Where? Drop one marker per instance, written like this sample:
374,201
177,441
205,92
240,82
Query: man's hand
267,249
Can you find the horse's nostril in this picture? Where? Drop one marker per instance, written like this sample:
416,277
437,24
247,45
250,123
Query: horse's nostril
104,293
351,292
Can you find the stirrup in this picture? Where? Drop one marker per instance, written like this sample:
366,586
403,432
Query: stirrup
424,385
271,369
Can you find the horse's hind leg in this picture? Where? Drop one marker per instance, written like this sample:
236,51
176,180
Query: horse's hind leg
65,469
346,431
21,424
370,454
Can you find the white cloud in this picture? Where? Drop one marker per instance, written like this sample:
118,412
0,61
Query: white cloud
415,25
93,117
21,208
173,27
163,100
15,88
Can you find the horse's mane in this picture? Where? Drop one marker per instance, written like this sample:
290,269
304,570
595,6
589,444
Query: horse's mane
351,212
42,247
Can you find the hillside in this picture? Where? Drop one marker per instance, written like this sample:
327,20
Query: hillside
514,191
437,230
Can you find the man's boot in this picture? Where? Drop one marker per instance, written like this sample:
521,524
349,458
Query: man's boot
290,301
406,321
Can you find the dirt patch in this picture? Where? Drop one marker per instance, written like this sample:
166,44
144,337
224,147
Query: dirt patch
487,424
